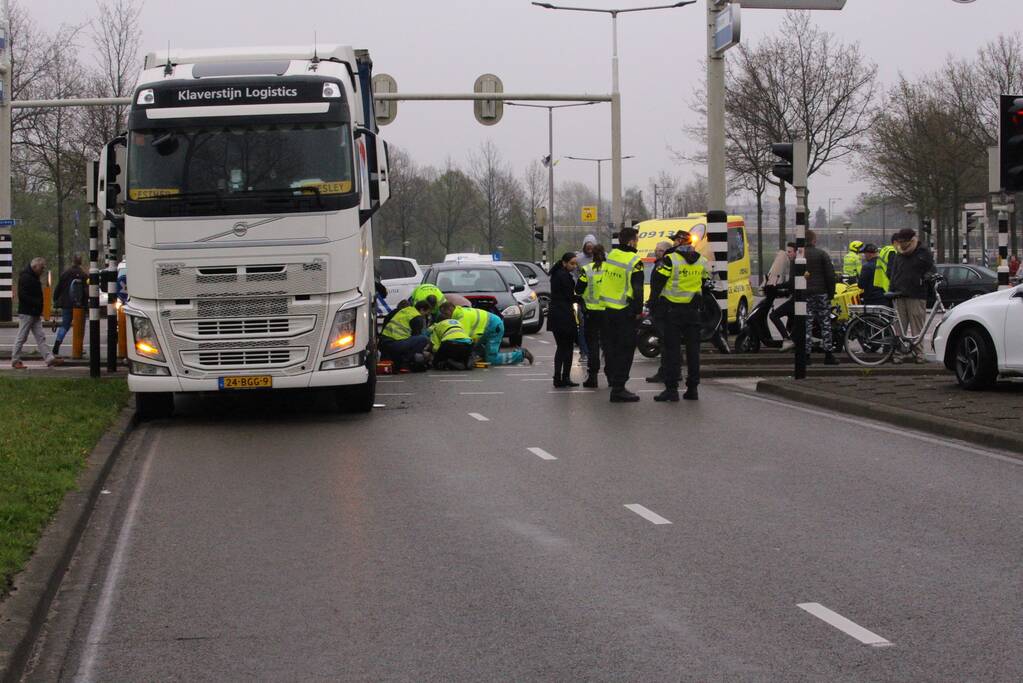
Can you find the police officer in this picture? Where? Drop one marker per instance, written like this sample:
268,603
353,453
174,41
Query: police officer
621,292
851,262
680,282
588,287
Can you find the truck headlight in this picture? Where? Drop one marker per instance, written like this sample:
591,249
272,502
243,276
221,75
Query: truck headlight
512,312
342,332
144,335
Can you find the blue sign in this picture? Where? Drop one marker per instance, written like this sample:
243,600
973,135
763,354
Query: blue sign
496,255
727,28
7,222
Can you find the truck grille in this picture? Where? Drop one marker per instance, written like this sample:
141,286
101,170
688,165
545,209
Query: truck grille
240,328
227,359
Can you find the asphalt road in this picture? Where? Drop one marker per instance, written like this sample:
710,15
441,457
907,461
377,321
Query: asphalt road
482,526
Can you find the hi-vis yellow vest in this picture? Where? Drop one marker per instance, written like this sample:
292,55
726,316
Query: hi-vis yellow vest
399,327
591,295
474,320
616,285
884,257
685,280
449,330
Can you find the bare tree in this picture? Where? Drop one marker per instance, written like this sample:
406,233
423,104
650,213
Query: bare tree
633,205
453,206
497,188
54,153
115,35
409,186
534,185
664,189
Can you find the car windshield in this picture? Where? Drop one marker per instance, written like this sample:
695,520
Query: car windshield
463,280
246,162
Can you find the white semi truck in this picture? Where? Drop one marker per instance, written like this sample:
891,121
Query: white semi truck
252,178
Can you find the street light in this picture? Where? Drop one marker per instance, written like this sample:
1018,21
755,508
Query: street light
616,100
550,158
831,202
600,161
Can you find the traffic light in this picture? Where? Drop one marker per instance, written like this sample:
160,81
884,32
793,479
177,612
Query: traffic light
538,233
792,168
1010,143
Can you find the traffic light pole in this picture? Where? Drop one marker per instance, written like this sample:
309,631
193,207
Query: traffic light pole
1003,249
799,270
92,171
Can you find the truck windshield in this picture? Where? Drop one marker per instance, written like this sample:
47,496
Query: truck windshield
240,169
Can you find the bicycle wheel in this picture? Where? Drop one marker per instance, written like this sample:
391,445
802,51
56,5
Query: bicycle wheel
870,340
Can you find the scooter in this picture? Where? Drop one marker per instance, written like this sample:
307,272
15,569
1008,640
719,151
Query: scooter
648,337
757,333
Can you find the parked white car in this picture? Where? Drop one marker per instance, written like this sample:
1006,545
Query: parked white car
982,339
400,275
532,312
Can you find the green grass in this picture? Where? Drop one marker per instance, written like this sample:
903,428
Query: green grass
48,426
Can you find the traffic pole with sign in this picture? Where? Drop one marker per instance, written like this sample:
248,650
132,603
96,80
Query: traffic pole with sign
588,214
998,204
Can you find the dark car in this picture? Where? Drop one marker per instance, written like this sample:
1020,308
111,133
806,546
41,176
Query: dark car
483,285
542,285
963,282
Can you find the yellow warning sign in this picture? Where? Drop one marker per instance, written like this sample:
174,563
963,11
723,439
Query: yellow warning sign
589,214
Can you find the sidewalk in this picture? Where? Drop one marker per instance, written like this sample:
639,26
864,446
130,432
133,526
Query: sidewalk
933,404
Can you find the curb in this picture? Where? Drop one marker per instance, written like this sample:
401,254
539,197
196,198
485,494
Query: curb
981,436
24,612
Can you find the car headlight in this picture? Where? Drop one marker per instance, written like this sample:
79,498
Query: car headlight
532,296
342,332
144,336
512,312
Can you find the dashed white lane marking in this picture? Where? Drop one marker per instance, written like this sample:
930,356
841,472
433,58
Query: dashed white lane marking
461,380
395,394
541,453
98,628
481,418
379,405
573,391
480,393
647,514
390,381
877,426
844,625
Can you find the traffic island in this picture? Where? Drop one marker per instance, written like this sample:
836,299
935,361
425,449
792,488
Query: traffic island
932,404
59,439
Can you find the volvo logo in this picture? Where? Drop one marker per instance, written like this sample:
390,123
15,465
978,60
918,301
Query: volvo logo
239,229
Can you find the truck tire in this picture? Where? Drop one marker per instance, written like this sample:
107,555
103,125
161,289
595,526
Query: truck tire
360,397
154,405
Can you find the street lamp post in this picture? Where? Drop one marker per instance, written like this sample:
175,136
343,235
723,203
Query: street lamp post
599,161
549,243
616,101
831,202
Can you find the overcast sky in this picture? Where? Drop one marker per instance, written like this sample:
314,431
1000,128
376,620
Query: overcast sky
442,46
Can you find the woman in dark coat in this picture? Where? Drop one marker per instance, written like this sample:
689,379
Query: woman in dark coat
561,318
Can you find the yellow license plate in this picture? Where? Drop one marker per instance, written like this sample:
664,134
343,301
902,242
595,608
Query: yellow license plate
250,382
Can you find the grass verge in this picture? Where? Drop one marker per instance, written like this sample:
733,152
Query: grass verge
48,426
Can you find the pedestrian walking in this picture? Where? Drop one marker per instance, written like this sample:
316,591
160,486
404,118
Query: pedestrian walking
910,264
30,314
679,282
621,291
69,295
820,290
588,287
561,318
584,257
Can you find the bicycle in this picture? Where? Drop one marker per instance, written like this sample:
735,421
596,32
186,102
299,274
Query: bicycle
875,333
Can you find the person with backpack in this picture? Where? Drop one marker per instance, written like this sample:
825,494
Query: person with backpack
67,296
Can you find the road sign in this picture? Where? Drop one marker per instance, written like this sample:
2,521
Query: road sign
386,110
496,256
488,112
589,214
540,215
7,222
975,206
727,28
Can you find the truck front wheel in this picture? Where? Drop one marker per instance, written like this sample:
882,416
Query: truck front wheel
361,397
154,405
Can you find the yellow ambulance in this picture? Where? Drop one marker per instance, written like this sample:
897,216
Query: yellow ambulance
740,289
